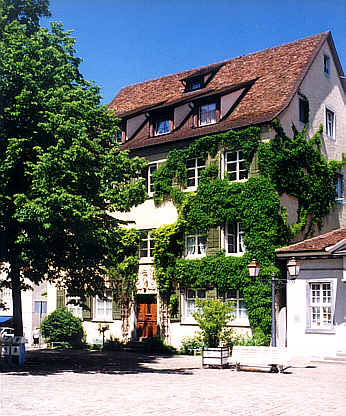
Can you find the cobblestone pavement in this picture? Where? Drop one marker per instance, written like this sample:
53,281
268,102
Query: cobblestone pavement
128,384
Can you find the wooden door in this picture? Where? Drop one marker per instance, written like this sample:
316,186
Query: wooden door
146,316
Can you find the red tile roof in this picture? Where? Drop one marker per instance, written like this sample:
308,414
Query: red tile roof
319,243
276,74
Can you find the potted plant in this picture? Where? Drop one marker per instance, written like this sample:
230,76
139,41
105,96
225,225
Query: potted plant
212,317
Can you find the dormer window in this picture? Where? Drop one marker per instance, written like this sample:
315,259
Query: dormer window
326,65
162,126
207,114
194,84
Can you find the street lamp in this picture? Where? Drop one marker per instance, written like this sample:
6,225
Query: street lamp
293,267
254,269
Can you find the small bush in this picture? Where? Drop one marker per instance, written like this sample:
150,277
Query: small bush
113,344
212,316
62,326
191,344
257,339
159,346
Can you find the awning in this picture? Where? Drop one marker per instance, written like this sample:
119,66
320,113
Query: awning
5,320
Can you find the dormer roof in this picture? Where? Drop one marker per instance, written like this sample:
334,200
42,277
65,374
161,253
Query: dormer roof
272,77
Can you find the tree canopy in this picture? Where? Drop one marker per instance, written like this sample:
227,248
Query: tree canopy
62,175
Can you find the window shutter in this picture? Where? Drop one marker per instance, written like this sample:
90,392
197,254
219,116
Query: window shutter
213,241
60,298
211,293
254,169
88,313
116,308
175,315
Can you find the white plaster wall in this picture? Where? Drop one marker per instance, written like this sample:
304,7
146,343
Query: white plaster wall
94,336
148,216
315,344
321,91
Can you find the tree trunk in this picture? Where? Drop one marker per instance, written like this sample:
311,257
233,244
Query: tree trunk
17,301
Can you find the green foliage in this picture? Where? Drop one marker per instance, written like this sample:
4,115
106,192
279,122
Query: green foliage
295,166
62,176
189,345
62,326
173,174
257,339
159,346
113,344
212,317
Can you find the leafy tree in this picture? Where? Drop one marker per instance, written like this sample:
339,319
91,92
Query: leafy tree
26,12
62,176
212,316
62,326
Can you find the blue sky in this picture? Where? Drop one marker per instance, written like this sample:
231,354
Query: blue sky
127,41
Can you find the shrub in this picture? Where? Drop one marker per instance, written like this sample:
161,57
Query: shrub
158,345
62,326
113,344
191,344
257,339
212,316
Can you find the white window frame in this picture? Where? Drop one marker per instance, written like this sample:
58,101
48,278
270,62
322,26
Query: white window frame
107,307
76,310
167,123
330,123
188,301
236,297
149,244
196,170
326,65
197,249
209,114
314,307
118,137
339,187
238,172
239,239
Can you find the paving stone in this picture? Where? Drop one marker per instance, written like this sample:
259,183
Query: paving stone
140,385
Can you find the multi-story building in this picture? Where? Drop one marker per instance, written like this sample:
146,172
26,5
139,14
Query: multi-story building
298,84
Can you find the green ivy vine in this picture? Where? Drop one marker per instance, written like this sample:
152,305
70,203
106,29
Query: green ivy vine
286,165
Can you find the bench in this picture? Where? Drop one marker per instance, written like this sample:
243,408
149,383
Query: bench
274,357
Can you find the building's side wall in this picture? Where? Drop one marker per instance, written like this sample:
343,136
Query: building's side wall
322,91
319,344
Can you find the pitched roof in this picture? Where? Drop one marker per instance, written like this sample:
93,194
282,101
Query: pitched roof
319,243
275,74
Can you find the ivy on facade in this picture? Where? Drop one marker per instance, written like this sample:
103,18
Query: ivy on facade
294,166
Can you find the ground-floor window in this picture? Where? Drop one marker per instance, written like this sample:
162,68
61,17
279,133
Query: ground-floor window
191,296
321,307
75,309
103,307
236,297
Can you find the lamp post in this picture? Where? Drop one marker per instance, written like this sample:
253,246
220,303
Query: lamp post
293,269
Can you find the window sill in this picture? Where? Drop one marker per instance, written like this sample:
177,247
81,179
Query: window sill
235,254
195,257
146,260
160,134
101,321
330,331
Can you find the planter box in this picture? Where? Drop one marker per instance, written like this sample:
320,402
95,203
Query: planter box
215,356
